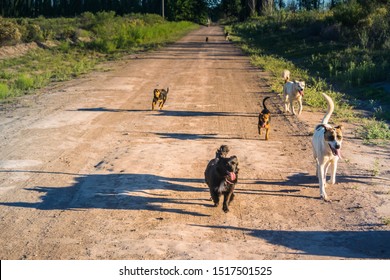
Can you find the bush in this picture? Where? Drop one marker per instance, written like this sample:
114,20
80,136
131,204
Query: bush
4,91
349,14
24,82
378,27
9,32
373,130
34,33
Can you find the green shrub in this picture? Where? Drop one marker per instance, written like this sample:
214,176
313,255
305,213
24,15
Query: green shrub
24,82
33,33
372,130
9,32
4,91
349,14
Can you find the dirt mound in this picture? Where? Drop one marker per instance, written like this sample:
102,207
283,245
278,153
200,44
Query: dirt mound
17,50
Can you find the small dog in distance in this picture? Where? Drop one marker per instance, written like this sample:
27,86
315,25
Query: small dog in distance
159,97
293,92
264,120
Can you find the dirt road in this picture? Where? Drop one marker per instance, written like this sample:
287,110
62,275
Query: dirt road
88,171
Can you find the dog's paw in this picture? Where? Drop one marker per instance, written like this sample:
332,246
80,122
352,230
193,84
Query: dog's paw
225,209
325,198
331,182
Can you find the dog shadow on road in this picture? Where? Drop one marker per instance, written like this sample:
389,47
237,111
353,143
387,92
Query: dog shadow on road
121,191
168,113
171,113
292,185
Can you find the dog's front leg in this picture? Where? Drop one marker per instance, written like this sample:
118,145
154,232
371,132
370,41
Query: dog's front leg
292,106
286,104
226,197
215,198
267,133
333,170
300,105
321,178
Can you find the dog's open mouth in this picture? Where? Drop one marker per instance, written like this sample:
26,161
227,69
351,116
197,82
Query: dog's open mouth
335,152
301,92
231,177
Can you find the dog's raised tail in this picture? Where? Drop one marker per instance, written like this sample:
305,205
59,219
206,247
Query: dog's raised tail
330,109
286,76
222,151
264,102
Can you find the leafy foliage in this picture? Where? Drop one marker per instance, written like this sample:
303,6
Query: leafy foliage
174,10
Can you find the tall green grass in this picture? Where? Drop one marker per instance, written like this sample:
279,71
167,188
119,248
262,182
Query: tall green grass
134,35
4,91
82,43
373,131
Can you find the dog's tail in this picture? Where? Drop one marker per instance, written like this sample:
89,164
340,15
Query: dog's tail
330,109
167,90
222,151
286,76
264,102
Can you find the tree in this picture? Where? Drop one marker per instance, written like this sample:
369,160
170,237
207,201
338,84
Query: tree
265,6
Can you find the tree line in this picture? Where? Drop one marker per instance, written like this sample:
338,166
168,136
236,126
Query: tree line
174,10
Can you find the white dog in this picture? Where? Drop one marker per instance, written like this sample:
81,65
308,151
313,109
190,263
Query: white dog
293,91
326,148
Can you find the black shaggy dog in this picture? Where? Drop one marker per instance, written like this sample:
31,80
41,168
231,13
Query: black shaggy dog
221,176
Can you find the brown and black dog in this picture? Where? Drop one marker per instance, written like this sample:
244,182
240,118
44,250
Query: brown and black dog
221,176
264,120
160,97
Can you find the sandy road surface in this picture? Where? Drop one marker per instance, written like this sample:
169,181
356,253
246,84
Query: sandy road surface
88,171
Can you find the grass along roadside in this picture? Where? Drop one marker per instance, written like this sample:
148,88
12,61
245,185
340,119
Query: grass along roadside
300,43
80,45
39,67
372,131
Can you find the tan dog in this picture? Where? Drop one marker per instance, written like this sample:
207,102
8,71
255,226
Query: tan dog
264,120
326,148
227,38
293,92
160,97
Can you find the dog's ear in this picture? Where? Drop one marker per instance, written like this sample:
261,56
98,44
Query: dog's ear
339,127
233,160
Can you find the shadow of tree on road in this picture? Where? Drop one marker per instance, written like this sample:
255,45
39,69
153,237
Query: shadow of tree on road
338,244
